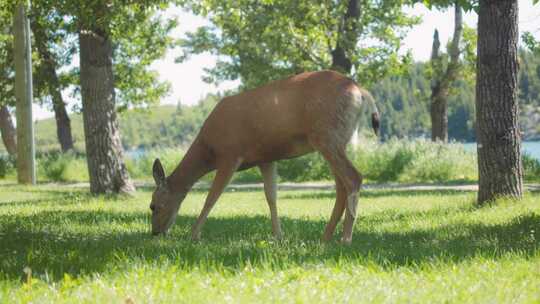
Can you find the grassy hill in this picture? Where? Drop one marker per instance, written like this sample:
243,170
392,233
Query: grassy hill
160,125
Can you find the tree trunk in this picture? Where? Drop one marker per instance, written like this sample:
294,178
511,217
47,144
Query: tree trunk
442,80
104,150
497,110
9,134
439,115
346,40
26,162
48,65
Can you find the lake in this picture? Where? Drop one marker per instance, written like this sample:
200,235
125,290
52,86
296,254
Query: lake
532,148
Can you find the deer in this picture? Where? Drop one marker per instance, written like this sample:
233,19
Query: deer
305,113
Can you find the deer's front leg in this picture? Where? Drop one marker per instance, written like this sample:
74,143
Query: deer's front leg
269,173
224,172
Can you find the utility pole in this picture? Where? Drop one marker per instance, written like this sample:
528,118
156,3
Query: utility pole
26,172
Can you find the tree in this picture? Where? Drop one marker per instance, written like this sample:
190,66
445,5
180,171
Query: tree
266,40
99,25
7,94
104,151
26,172
346,38
7,130
442,79
498,136
45,26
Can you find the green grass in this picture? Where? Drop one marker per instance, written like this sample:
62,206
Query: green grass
409,246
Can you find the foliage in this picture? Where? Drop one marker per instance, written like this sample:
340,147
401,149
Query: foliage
59,244
531,42
415,161
311,167
402,101
140,32
165,126
7,73
263,41
139,165
54,34
62,167
467,5
531,168
403,161
410,161
7,165
395,161
140,39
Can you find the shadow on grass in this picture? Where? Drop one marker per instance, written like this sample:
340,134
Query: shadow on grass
56,197
82,242
371,193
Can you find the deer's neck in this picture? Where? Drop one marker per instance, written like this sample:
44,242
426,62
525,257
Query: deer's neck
194,165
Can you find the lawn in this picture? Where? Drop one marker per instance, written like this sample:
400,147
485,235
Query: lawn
59,244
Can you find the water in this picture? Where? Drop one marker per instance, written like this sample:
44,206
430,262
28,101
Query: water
135,153
531,148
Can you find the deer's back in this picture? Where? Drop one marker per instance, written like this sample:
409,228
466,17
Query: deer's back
275,121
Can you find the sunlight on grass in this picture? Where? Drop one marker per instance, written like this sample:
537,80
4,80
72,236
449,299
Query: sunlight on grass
409,246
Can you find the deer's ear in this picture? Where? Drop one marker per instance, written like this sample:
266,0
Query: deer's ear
158,172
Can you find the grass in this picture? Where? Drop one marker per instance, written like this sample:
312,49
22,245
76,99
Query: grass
409,246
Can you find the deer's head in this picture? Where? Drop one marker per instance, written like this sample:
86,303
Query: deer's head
165,202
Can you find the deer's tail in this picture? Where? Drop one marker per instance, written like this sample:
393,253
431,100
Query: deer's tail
375,118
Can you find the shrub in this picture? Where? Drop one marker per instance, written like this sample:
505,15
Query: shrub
415,161
409,161
62,167
531,168
140,165
252,175
7,165
309,167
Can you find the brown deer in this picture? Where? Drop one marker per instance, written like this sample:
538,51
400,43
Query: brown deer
315,111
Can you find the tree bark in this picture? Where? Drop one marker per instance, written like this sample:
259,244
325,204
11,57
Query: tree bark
48,66
497,110
346,41
442,80
7,129
26,169
104,150
347,38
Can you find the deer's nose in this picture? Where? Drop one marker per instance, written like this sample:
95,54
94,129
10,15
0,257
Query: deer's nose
152,207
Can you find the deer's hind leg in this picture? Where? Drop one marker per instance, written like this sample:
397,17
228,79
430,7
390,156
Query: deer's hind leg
337,212
269,173
351,180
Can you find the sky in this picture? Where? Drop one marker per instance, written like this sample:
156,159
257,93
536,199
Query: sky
187,86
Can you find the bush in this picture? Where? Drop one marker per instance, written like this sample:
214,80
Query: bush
408,161
414,161
411,161
140,165
7,165
252,175
311,167
62,167
531,168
